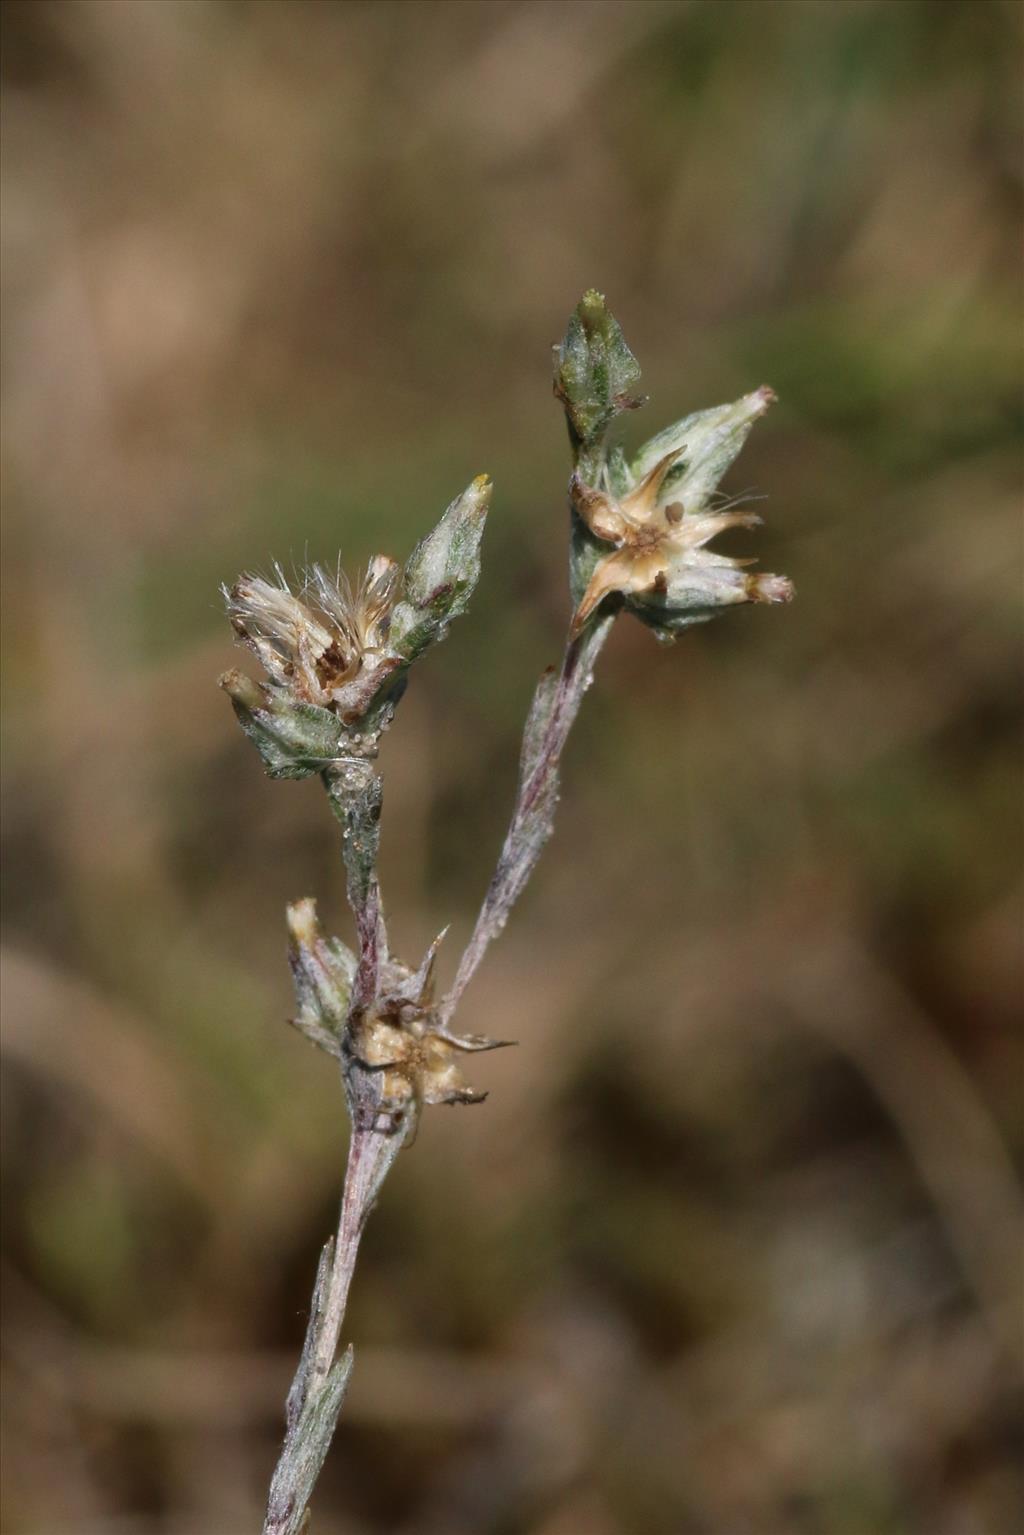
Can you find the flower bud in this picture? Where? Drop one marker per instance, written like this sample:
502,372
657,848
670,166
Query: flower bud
595,372
441,573
322,971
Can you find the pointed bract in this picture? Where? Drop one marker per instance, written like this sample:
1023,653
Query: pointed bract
294,739
703,445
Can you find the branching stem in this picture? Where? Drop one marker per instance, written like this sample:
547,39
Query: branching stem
533,813
324,707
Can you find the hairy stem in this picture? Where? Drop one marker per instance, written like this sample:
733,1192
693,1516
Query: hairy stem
318,1390
555,707
370,1154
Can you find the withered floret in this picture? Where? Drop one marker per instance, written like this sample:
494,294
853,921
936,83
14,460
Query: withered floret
319,641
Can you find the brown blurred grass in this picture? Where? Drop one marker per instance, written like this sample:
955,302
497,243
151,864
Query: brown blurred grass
732,1249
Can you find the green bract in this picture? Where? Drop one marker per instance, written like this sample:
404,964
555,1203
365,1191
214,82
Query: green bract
708,442
293,739
322,970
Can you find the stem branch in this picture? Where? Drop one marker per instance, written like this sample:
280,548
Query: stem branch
547,729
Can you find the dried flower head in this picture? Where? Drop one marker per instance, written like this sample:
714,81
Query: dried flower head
659,520
399,1038
418,1066
336,659
403,1039
317,643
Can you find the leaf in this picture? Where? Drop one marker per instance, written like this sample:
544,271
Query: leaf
441,573
305,1450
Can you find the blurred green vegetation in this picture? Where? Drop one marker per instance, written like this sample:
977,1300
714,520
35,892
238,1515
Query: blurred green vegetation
733,1249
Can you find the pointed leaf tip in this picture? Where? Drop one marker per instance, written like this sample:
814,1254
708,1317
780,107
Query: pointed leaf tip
442,572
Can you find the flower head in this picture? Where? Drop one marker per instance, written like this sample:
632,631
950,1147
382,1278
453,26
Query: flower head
399,1038
404,1040
660,517
316,643
337,658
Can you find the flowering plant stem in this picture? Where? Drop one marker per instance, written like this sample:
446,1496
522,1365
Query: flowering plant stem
537,795
337,659
373,1146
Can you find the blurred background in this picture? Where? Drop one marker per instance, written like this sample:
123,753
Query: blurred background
733,1248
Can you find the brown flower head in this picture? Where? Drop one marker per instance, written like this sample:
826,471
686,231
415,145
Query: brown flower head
660,517
402,1039
316,643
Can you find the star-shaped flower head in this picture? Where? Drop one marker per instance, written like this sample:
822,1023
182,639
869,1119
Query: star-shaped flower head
659,514
641,529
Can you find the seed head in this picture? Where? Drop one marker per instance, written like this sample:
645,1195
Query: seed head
318,642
